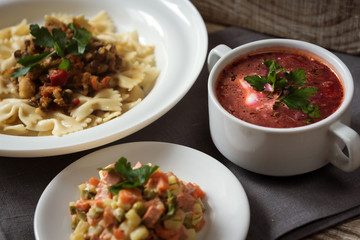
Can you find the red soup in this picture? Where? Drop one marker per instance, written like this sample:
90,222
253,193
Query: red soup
279,89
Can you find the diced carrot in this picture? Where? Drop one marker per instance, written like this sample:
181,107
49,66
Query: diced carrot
118,234
129,196
198,193
93,181
94,83
193,189
109,218
97,202
159,181
83,205
105,82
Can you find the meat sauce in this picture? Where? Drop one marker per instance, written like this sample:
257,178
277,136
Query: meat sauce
241,100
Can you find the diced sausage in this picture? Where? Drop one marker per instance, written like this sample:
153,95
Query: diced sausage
185,201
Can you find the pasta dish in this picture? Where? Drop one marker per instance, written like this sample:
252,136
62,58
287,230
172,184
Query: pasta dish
70,74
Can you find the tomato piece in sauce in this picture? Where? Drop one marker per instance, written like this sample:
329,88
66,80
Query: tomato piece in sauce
59,77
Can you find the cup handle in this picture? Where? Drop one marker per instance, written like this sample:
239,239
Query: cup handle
352,142
215,54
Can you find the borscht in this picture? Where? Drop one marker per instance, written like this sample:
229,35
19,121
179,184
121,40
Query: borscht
279,89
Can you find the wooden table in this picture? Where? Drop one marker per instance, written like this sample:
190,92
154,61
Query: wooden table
349,230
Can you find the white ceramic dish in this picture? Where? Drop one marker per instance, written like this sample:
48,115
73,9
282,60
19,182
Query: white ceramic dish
226,198
175,28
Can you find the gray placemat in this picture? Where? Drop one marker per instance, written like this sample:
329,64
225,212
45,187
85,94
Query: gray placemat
281,207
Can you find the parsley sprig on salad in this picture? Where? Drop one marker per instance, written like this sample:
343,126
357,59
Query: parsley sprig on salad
133,177
291,87
58,41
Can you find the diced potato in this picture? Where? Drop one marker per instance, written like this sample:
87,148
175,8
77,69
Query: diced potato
133,218
82,187
201,204
174,185
77,236
125,206
95,230
139,233
126,227
119,214
95,211
191,234
196,218
107,202
197,208
79,231
176,221
90,188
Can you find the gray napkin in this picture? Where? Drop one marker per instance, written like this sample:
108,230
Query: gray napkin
281,207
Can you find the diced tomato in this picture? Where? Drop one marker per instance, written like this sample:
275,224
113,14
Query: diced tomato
83,205
118,234
93,181
129,196
59,77
159,181
75,103
109,218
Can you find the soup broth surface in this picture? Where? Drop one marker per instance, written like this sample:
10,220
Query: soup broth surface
244,102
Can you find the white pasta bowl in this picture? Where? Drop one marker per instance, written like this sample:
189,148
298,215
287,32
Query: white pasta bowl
174,27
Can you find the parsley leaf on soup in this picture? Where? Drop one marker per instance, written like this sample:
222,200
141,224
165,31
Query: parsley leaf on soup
292,89
257,82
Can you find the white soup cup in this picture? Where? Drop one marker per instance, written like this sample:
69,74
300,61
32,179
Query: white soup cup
283,151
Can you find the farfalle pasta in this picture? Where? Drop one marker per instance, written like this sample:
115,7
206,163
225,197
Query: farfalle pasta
65,92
